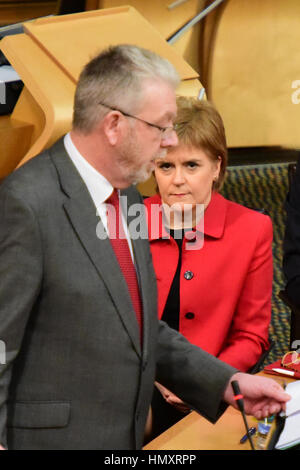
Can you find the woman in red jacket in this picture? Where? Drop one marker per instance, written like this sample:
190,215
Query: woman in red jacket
216,290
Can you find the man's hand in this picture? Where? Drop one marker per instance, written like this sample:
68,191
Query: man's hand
262,396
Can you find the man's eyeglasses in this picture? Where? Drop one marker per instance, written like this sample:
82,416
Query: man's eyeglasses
165,131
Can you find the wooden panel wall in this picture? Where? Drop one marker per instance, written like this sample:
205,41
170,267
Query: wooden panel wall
166,22
16,11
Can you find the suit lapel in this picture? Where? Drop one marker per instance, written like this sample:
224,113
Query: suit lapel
81,212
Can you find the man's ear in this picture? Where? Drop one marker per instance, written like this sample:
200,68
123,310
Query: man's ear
112,127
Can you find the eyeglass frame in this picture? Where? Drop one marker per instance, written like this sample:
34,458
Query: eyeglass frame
283,364
156,126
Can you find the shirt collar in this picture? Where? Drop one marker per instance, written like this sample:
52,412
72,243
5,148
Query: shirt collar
98,186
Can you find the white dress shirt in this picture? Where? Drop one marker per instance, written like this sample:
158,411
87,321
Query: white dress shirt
99,188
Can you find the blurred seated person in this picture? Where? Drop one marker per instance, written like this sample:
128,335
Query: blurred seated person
217,293
291,247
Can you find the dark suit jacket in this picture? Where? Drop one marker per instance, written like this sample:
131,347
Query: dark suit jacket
75,375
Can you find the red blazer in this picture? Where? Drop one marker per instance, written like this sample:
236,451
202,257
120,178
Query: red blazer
225,304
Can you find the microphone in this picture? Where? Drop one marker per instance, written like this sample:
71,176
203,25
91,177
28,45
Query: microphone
238,397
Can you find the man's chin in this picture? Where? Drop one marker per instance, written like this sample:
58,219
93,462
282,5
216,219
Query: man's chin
141,177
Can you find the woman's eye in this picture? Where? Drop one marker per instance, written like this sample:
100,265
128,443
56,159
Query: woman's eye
164,166
191,165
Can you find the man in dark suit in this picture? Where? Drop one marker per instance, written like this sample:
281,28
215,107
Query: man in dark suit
80,366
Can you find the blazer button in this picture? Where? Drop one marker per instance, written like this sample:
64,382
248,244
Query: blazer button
188,275
190,315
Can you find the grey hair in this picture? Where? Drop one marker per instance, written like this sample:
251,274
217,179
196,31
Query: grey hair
115,77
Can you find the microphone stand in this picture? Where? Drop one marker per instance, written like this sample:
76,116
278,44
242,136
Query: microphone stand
240,402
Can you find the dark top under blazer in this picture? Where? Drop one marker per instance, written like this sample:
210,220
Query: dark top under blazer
75,376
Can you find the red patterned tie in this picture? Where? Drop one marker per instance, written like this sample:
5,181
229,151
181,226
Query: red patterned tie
120,246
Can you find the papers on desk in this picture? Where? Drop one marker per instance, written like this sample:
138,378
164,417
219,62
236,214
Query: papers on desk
290,435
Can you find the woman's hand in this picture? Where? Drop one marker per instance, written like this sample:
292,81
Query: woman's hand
172,399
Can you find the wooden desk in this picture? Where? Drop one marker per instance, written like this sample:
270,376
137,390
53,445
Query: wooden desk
196,433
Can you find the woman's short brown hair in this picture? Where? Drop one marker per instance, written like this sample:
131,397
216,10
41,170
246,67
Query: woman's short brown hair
199,125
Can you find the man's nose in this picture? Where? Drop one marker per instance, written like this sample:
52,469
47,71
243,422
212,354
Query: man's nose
170,140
